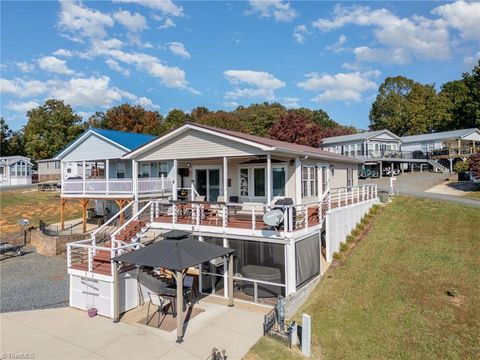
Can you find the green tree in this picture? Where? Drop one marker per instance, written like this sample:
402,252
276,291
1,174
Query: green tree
174,119
223,120
454,95
5,134
472,103
259,118
16,143
198,112
50,128
126,117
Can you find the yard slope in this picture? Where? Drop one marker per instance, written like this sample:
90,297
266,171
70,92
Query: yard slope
389,299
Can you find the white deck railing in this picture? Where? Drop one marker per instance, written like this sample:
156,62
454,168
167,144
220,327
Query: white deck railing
115,186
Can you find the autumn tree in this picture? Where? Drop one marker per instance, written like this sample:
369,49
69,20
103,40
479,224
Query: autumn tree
296,129
223,120
50,127
126,117
474,163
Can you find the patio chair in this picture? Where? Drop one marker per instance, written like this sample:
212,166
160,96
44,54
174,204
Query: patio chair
189,289
160,303
214,212
193,208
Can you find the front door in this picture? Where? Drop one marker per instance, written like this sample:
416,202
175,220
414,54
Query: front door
207,183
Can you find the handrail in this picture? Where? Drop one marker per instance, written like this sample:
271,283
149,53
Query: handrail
112,219
131,219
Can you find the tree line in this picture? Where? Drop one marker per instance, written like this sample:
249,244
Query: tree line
403,106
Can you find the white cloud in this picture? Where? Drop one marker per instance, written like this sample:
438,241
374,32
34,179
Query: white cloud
86,92
463,16
232,104
133,22
177,48
55,65
406,37
82,21
300,33
146,103
24,66
165,6
290,102
393,56
279,10
471,60
22,107
63,52
338,45
341,86
168,23
115,66
260,84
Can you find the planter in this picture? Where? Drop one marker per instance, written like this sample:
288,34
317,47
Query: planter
92,312
463,176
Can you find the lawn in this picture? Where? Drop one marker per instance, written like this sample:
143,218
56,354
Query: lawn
475,195
33,205
389,299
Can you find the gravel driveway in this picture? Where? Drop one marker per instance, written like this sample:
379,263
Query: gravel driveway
33,281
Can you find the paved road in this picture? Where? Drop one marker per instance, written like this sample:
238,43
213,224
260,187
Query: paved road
33,281
415,184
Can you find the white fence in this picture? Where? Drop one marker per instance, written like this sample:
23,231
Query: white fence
341,221
115,186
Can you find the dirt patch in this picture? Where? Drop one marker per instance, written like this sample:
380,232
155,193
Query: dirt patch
455,188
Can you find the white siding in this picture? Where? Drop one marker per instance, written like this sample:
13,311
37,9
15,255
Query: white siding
94,148
194,144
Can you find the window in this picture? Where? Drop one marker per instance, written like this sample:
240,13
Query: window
2,170
162,169
145,170
359,149
424,147
309,181
324,178
57,165
24,168
259,182
120,170
243,182
278,180
349,177
352,150
28,170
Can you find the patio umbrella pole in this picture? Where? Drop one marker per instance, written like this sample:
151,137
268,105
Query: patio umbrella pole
179,302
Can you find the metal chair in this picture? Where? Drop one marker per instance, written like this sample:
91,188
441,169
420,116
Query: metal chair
160,303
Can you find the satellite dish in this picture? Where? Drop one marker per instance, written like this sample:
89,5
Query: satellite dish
273,218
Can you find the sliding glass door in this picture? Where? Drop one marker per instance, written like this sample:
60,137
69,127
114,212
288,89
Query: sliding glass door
207,183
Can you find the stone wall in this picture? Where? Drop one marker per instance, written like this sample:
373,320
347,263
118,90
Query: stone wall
53,245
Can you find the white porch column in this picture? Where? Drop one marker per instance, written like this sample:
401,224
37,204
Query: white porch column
115,293
291,268
62,175
269,178
107,175
135,184
175,177
319,182
298,181
84,175
225,178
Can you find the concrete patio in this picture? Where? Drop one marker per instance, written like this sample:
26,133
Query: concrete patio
66,333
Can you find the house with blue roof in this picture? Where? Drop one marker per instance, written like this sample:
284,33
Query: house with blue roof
93,170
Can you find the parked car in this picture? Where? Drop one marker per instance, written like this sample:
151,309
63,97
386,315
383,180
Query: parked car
388,172
367,173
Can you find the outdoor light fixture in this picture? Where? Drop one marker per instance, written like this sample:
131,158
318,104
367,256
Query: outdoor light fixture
189,164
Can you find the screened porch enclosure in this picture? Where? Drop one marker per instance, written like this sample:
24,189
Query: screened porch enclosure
258,268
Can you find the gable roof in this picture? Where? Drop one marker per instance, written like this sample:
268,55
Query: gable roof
9,160
454,134
127,141
360,136
263,143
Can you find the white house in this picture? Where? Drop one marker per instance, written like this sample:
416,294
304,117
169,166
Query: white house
219,185
15,170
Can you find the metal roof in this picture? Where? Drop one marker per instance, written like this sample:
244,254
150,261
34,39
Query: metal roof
128,140
454,134
176,252
354,137
8,160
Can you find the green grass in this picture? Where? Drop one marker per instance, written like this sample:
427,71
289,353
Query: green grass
33,205
388,300
475,195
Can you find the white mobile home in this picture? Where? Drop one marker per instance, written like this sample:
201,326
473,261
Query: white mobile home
15,170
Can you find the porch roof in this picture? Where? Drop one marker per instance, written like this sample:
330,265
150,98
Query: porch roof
265,144
178,251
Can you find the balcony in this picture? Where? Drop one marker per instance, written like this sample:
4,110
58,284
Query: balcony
115,187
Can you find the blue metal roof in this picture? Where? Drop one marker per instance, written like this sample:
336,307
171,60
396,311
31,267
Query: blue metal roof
128,140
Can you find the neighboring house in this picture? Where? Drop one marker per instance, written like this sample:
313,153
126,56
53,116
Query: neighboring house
48,170
223,186
365,145
445,147
92,169
15,170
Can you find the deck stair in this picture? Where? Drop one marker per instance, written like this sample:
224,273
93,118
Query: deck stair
437,166
132,231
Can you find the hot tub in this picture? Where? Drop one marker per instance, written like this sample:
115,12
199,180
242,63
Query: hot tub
262,273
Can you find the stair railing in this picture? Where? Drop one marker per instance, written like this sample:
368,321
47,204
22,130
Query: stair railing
150,206
104,231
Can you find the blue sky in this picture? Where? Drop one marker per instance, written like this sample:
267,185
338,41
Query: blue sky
165,55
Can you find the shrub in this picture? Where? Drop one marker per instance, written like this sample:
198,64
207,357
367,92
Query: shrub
350,238
337,256
343,247
462,166
355,232
360,227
